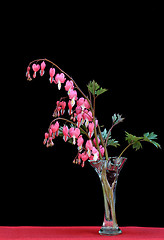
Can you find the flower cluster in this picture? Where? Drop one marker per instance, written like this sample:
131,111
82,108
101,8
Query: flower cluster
80,128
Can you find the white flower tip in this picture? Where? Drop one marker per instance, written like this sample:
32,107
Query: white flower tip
59,85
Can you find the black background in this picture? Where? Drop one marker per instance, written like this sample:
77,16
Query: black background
120,47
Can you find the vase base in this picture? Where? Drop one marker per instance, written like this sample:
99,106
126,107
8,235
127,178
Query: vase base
110,231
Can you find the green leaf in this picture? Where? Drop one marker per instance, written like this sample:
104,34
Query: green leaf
90,87
100,91
95,88
60,132
117,118
149,137
132,138
70,140
135,141
104,134
137,145
112,142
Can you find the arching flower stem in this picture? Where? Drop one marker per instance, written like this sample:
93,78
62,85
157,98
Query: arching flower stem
66,120
89,101
45,59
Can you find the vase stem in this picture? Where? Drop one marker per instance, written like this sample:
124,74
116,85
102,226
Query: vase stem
110,225
108,172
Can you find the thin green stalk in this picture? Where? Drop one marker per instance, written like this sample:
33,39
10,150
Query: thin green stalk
95,131
125,149
94,120
109,134
109,195
102,141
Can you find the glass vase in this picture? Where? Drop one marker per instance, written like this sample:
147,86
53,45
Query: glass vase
108,172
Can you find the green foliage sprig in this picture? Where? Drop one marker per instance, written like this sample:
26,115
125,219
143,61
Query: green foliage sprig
95,88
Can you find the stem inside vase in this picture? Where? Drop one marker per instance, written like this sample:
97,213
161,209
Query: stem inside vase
108,172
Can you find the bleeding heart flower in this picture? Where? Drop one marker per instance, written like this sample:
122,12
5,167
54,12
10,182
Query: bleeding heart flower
57,109
89,147
50,142
70,107
65,133
95,153
78,110
43,65
52,73
55,129
84,157
94,141
28,74
73,96
35,68
79,119
87,117
96,121
91,129
68,86
59,78
80,142
74,133
83,103
63,105
46,137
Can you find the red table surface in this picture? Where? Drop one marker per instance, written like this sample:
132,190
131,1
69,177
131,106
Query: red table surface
68,233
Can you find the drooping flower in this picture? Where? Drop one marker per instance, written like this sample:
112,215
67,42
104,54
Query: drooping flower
68,86
57,109
102,150
52,73
43,65
55,129
80,142
59,78
35,68
95,153
84,157
94,141
69,107
87,117
91,129
96,121
73,96
60,108
83,103
50,132
46,137
65,133
63,105
28,74
50,142
79,119
78,110
89,147
77,160
74,133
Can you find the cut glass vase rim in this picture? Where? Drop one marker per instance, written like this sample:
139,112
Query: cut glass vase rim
112,164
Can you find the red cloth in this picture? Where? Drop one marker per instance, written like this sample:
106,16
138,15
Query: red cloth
85,233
